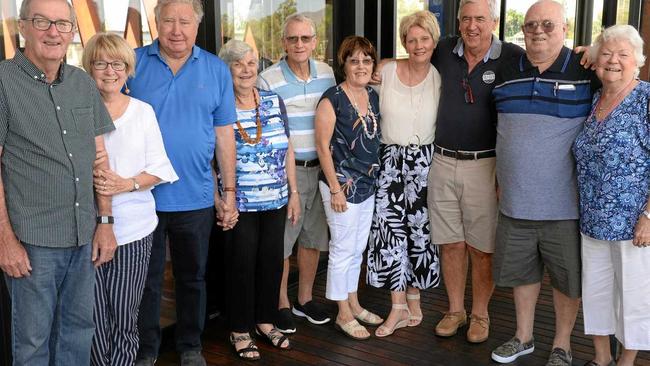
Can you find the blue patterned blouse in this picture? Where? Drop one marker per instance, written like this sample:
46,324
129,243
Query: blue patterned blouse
355,151
613,162
260,171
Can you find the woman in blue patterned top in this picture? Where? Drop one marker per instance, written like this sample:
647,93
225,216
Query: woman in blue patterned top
347,141
613,161
266,196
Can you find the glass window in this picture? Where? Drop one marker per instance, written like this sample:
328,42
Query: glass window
623,12
515,19
597,19
259,23
92,16
405,7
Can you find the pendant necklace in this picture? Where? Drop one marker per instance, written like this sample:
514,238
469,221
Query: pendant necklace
370,115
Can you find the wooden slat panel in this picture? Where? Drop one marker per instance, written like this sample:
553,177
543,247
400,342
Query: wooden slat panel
87,19
149,5
133,28
645,34
9,19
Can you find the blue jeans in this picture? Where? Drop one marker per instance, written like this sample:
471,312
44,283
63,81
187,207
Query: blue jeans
52,309
189,239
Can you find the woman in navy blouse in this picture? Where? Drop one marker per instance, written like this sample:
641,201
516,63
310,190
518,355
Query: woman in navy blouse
347,141
613,161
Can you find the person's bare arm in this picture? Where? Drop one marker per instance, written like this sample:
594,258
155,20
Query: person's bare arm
104,243
13,256
293,207
226,159
324,122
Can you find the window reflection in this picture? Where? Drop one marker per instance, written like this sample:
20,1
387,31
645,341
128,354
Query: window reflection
259,23
515,19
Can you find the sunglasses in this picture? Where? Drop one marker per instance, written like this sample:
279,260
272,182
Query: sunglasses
469,95
547,26
303,39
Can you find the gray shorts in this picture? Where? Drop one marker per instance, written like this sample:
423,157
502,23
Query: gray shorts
525,247
311,229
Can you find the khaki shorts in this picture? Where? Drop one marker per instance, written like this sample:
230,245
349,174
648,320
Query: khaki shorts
311,229
462,202
525,247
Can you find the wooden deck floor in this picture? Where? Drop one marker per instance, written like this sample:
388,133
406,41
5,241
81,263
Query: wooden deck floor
323,345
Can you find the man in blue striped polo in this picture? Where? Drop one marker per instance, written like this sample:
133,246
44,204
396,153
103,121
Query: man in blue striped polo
300,81
542,99
51,124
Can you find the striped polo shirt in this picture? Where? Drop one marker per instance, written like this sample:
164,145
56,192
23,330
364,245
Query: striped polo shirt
47,131
300,98
539,117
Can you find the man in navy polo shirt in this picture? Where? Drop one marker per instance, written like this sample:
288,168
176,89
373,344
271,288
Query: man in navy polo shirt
192,95
542,99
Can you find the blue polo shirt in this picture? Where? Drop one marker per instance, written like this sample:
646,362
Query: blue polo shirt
188,106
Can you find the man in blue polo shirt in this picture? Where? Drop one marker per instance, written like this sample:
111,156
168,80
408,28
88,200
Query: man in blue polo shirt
191,93
542,100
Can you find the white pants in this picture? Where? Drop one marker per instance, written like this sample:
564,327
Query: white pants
348,240
616,291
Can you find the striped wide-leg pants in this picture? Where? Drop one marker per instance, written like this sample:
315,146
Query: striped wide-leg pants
118,291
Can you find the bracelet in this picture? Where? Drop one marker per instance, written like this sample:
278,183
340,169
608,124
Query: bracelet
229,189
295,191
337,192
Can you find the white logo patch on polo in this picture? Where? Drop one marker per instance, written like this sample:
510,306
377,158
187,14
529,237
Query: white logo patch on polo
489,77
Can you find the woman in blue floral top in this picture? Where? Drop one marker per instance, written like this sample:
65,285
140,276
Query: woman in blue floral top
347,141
266,196
613,162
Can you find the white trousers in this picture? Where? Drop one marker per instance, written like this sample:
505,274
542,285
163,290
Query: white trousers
616,291
348,240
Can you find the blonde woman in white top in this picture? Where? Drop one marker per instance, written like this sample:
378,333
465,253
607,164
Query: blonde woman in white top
137,161
401,257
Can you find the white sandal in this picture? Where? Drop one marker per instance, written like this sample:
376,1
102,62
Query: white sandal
414,318
384,331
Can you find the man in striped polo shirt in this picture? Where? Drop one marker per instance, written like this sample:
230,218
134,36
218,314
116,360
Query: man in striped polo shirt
300,81
51,124
542,99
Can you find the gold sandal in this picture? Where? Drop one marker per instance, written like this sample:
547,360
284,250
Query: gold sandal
414,320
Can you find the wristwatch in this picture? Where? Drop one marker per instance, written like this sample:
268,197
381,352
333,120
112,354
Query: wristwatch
105,219
136,186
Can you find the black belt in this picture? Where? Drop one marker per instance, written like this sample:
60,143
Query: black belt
307,163
464,155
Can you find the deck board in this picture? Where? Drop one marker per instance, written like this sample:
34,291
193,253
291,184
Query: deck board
323,345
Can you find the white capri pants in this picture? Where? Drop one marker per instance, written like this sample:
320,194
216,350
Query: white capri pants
616,291
349,232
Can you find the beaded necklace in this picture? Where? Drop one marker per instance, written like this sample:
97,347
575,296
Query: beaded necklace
258,125
369,115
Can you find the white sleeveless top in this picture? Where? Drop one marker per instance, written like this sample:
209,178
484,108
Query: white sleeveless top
408,114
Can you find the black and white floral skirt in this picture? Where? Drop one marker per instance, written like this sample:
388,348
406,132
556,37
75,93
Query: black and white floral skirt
400,252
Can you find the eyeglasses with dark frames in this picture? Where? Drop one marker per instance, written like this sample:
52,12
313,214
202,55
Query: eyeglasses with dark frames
356,62
303,39
43,24
469,95
116,65
547,26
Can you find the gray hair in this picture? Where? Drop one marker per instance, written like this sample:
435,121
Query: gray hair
197,6
621,33
297,18
492,4
25,9
234,50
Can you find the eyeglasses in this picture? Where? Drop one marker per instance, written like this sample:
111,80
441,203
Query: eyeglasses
116,65
303,39
356,62
531,27
469,95
63,26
